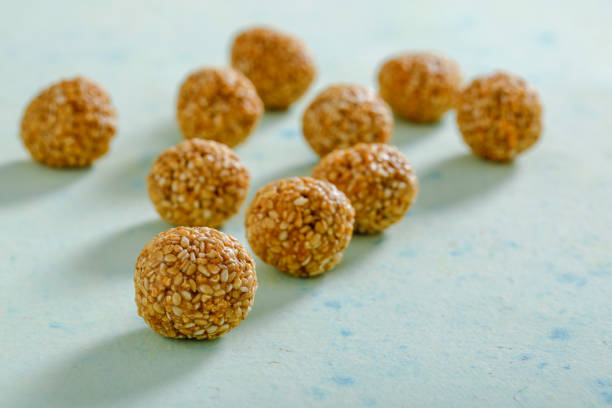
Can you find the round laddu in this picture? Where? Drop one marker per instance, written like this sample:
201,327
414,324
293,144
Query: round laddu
499,116
344,115
377,178
198,183
194,282
300,225
218,104
280,65
420,87
69,124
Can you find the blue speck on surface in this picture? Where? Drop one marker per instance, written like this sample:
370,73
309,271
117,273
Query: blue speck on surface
317,393
344,381
460,251
603,383
377,241
289,133
542,365
407,253
433,175
333,304
59,326
571,279
346,333
546,38
369,402
559,333
567,367
607,396
524,357
465,22
601,270
512,244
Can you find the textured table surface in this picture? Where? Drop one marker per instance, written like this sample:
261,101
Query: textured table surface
495,290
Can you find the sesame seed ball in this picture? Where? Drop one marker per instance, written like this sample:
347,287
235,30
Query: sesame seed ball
219,104
279,65
420,87
377,178
344,115
198,183
300,225
499,116
194,282
69,124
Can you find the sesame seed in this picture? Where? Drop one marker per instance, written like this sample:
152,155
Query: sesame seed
191,269
300,201
177,311
176,299
170,258
185,242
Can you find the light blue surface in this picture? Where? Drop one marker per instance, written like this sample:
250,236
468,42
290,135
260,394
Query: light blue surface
495,290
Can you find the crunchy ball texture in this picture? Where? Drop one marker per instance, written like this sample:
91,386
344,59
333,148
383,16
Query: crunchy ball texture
218,104
420,87
300,225
377,178
69,124
279,65
195,283
198,183
344,115
499,116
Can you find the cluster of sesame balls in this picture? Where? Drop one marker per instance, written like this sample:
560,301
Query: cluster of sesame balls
194,281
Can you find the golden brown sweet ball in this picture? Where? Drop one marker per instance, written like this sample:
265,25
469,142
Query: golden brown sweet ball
198,183
499,116
194,282
69,124
344,115
218,104
279,65
300,225
377,179
420,87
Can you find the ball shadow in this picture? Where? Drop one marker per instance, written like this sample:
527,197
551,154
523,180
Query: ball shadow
409,133
114,370
458,179
299,170
277,289
127,180
360,247
164,135
114,255
26,180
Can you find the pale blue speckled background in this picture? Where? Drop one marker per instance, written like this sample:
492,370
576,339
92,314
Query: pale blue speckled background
494,291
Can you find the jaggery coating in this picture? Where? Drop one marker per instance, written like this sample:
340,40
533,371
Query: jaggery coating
378,180
69,124
194,282
218,104
499,116
300,225
344,115
420,87
198,183
280,65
